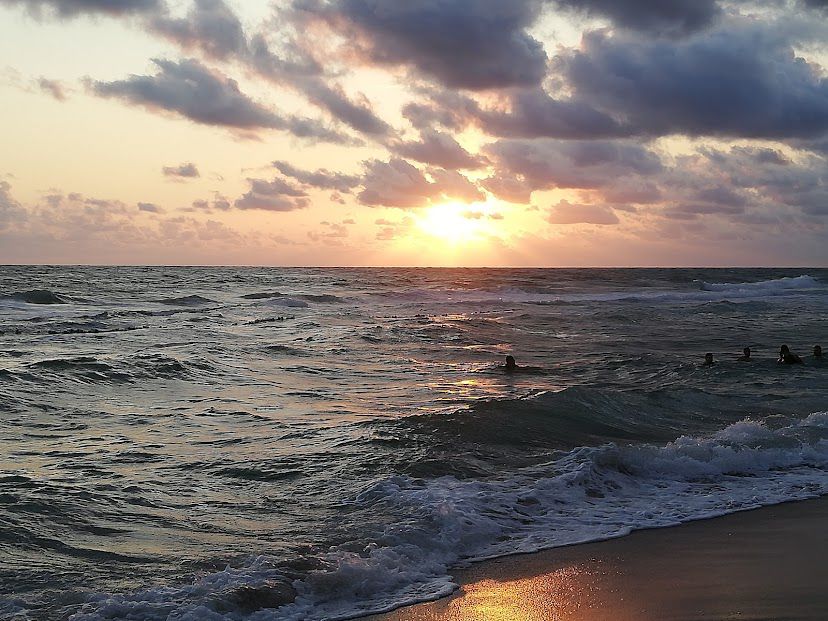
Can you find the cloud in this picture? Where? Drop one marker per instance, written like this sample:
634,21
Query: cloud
321,179
358,115
519,113
474,45
331,234
439,149
545,164
452,184
533,114
205,96
73,8
10,210
741,80
54,88
397,183
210,26
670,17
187,170
758,178
219,203
275,195
508,187
391,230
150,208
567,213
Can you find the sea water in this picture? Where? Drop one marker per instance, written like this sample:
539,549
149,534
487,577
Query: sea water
249,443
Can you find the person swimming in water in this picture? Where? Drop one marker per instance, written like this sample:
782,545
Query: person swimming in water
511,365
817,351
788,357
745,357
708,360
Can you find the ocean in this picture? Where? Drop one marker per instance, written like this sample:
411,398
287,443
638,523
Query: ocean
205,444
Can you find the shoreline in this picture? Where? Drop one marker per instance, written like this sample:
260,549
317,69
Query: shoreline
765,563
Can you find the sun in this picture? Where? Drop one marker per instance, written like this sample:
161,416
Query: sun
455,223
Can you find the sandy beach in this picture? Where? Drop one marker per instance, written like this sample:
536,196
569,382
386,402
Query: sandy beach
765,564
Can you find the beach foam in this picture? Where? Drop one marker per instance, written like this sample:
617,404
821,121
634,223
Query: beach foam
587,494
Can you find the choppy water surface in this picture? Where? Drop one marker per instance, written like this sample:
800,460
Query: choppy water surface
191,444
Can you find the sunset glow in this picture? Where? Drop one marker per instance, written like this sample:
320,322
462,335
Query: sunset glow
354,132
454,223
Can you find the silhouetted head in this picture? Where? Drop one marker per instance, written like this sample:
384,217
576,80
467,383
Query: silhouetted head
817,351
784,350
708,359
510,362
746,352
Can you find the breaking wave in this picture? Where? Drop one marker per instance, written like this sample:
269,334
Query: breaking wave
585,494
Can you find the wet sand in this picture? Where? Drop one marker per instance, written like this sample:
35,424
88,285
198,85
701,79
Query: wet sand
767,564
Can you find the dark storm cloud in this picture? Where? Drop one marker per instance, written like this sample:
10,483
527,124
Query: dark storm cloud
358,115
534,113
398,183
204,96
299,71
741,79
474,44
72,8
187,171
210,26
439,149
321,179
737,81
522,113
722,196
546,164
661,16
685,211
275,195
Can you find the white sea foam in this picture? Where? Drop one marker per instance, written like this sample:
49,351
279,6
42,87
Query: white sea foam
588,494
766,286
285,302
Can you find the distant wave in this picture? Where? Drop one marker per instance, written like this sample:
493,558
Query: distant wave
284,350
765,286
263,296
35,296
706,292
189,300
88,369
275,296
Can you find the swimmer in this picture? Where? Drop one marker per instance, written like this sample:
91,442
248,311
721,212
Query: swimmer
708,360
745,357
787,357
511,365
817,351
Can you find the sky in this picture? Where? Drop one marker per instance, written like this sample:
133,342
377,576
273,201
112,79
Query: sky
536,133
